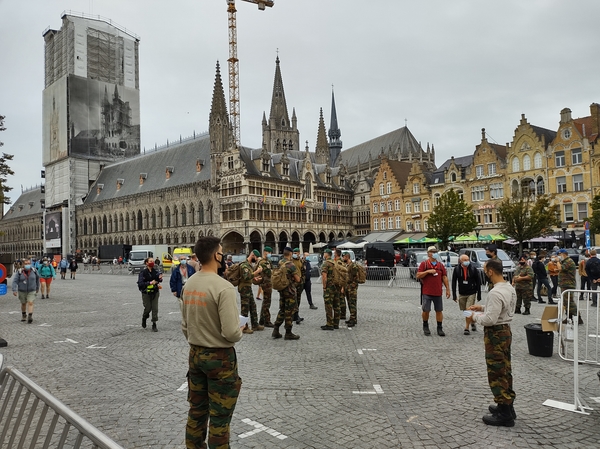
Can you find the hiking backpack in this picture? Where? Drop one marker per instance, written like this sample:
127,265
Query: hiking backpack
340,274
361,273
279,278
234,274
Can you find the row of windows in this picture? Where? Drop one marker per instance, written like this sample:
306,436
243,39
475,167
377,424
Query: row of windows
396,223
491,170
559,160
381,207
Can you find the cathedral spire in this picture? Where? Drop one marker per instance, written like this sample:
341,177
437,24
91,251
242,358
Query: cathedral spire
322,149
335,144
219,128
279,110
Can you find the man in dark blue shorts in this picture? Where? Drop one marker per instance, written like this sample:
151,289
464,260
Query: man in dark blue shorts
432,275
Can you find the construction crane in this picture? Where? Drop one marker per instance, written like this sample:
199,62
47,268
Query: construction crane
234,73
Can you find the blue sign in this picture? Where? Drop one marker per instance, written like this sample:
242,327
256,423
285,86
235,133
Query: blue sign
2,289
588,241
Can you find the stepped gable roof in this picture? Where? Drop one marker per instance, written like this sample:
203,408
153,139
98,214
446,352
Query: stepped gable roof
400,170
548,134
34,196
401,139
181,156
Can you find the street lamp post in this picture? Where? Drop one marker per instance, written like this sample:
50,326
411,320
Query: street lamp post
477,230
564,230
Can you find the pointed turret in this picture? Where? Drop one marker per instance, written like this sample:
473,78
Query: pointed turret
219,126
322,149
335,144
279,132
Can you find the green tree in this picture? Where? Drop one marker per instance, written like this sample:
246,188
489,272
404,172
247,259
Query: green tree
594,219
452,216
524,219
4,169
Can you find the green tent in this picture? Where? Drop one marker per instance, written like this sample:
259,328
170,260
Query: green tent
428,240
466,238
498,237
406,240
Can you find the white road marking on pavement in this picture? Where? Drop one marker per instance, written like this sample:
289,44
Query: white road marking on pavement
53,303
183,387
129,303
377,390
171,313
93,311
10,313
66,340
95,347
258,427
361,351
591,335
45,325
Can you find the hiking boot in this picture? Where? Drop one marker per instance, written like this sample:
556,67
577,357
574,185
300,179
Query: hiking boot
23,316
258,327
247,330
502,418
336,326
276,333
313,307
426,330
290,336
154,329
351,323
517,310
494,410
144,322
269,325
29,319
327,328
526,312
441,332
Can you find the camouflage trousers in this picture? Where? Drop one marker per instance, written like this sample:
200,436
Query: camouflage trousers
150,302
348,297
331,298
248,304
569,301
524,297
287,305
213,389
265,308
497,341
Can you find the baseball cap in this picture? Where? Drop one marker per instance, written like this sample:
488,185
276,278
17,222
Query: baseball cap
432,249
268,249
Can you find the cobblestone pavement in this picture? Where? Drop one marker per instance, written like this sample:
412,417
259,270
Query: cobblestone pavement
382,384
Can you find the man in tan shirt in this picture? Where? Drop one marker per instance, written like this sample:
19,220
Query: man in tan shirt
211,324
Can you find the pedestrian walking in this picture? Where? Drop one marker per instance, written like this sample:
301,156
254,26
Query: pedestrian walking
267,287
432,274
180,275
73,267
25,285
468,280
523,283
211,325
541,276
149,284
248,276
287,297
498,314
553,271
584,283
592,268
62,266
47,274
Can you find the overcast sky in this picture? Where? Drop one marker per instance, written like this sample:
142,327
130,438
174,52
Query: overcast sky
449,67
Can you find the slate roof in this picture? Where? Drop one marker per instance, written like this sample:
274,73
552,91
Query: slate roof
438,176
34,196
548,134
400,140
181,156
584,126
401,170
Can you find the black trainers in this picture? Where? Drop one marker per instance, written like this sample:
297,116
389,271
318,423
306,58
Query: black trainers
473,327
441,332
466,332
144,322
23,317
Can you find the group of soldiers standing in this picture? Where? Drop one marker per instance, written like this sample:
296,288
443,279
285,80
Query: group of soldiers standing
340,286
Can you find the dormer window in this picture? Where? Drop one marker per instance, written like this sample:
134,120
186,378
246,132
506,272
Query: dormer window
199,165
328,178
120,182
453,177
21,207
99,188
230,162
266,165
31,203
286,169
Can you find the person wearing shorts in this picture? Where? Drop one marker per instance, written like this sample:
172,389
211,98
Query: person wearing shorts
47,273
432,274
25,285
468,279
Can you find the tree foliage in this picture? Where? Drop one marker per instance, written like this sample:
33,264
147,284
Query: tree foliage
594,219
524,219
4,169
452,216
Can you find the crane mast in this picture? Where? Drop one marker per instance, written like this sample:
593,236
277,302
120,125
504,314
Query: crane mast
234,68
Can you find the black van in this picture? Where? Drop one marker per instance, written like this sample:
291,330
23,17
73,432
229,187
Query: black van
378,257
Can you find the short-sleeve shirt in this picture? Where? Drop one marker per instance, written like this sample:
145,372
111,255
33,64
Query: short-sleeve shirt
432,285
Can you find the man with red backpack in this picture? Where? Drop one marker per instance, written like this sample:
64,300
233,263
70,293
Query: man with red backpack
432,275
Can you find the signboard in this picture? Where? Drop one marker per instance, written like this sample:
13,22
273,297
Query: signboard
3,289
53,230
3,272
588,241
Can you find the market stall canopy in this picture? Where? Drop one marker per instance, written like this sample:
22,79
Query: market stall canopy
406,240
428,240
319,245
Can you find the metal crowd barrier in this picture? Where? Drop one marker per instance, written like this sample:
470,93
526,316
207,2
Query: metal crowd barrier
29,414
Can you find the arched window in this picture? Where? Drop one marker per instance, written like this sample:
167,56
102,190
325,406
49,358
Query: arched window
389,188
95,226
381,191
183,216
175,216
127,222
453,177
540,187
526,162
308,186
375,208
200,213
168,218
537,160
140,221
515,165
160,218
153,219
192,216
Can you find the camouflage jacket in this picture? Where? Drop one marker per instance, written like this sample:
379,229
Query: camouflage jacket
247,274
267,269
352,275
524,270
291,271
566,275
301,269
327,268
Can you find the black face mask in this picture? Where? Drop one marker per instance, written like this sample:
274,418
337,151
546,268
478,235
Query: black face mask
521,263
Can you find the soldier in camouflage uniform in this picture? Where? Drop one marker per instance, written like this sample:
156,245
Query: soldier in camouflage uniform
248,274
287,298
523,284
267,288
496,320
299,263
566,281
331,295
350,291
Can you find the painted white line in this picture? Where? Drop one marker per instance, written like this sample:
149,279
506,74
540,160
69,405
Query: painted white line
596,399
95,347
594,336
362,351
66,340
11,313
171,313
258,427
53,303
183,387
376,390
129,303
45,325
94,311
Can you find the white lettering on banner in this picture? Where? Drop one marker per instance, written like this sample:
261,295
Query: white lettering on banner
258,427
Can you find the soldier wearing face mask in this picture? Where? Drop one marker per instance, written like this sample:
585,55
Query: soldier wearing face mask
523,283
248,274
432,275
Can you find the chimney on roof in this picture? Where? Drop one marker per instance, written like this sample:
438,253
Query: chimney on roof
595,112
565,115
482,135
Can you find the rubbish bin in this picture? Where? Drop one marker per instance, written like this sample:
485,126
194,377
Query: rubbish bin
540,343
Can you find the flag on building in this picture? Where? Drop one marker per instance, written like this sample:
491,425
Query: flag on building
302,205
325,204
284,200
262,199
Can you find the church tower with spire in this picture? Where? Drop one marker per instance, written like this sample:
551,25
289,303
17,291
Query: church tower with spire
279,133
335,143
322,155
219,127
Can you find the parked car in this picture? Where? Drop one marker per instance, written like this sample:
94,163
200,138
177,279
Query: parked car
380,254
408,252
315,265
415,260
478,257
573,254
453,257
275,258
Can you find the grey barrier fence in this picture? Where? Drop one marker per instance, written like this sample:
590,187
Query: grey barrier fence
29,414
